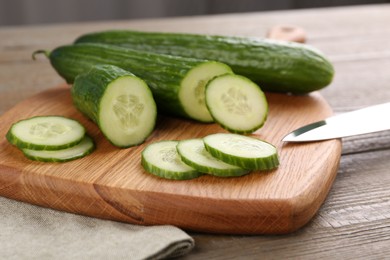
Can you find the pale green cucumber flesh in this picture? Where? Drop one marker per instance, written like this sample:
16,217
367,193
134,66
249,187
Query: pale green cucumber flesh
192,91
120,103
127,112
161,159
194,154
46,133
85,147
243,151
236,103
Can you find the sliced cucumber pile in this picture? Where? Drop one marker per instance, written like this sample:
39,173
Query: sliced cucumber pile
236,103
162,159
194,154
50,138
223,155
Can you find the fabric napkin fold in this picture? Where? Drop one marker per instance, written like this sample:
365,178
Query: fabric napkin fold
32,232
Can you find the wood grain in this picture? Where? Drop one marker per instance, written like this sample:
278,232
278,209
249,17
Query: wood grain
111,184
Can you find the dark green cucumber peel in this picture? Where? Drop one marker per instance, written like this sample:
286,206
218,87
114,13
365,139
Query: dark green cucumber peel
163,73
275,65
82,149
155,170
120,103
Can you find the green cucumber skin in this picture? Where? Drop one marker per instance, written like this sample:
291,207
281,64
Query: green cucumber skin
215,171
89,88
11,138
277,66
231,172
162,73
23,145
269,163
55,160
172,175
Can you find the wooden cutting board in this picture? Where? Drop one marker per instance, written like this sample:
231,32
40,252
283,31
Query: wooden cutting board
111,184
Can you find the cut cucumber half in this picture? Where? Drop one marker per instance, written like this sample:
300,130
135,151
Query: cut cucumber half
85,147
243,151
162,159
192,90
120,103
236,103
46,133
176,82
194,153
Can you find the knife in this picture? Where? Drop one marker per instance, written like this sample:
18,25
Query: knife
363,121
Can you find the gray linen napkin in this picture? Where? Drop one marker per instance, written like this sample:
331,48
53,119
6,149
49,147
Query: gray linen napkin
32,232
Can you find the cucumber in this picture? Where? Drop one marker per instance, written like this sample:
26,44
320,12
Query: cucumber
177,83
236,103
194,154
45,133
120,103
243,151
161,159
275,65
85,147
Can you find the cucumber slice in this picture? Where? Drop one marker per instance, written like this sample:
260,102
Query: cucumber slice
243,151
194,153
192,91
85,147
162,159
120,103
236,103
46,133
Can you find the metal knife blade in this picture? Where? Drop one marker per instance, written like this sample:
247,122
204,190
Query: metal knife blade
363,121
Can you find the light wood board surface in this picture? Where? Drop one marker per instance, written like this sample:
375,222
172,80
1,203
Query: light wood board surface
111,183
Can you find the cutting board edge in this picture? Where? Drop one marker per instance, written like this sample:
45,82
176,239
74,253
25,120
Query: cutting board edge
303,212
108,204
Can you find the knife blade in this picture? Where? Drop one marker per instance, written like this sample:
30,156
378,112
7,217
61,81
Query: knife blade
363,121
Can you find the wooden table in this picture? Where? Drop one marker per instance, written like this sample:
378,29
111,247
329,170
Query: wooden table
354,221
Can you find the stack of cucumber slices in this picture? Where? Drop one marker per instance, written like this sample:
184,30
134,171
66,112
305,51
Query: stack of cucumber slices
221,154
50,138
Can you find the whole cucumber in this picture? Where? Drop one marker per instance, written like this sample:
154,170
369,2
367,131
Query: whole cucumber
277,66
